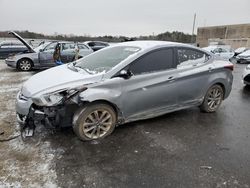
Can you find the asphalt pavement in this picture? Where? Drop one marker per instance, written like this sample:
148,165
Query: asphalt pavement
181,149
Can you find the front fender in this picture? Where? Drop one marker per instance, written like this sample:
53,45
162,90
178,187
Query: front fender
109,96
95,94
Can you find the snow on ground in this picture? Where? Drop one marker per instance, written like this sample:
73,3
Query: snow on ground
22,164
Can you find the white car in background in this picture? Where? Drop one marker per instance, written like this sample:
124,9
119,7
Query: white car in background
240,50
224,52
246,75
243,57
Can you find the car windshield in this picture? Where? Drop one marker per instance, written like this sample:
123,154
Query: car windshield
106,59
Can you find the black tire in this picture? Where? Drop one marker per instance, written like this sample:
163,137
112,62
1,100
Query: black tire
87,125
212,99
24,64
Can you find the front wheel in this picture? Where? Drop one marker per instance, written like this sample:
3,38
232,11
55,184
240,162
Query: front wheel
213,99
24,65
95,122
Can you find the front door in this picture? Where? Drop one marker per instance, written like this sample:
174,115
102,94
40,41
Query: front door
46,55
68,52
151,88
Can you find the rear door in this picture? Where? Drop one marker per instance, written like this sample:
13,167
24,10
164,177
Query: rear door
194,69
151,88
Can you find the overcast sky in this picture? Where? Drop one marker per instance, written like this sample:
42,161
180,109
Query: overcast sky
119,17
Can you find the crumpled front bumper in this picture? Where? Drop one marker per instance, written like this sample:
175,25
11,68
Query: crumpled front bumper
23,105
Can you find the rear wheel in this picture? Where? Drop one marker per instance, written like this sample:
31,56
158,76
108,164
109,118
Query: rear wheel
25,65
95,122
213,99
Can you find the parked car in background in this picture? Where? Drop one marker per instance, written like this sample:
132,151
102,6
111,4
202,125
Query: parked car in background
42,57
96,45
10,48
221,51
246,75
240,50
243,57
123,83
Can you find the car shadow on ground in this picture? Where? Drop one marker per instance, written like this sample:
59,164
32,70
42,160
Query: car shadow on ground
171,121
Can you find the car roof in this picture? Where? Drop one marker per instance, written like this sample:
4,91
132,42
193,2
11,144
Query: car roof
150,44
11,41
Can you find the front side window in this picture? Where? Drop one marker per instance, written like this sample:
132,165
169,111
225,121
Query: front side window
159,60
50,47
189,57
105,60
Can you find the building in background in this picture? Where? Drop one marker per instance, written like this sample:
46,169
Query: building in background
234,35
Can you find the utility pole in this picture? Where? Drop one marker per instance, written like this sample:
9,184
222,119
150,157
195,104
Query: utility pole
192,39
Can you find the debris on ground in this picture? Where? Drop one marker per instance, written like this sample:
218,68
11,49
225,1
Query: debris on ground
206,167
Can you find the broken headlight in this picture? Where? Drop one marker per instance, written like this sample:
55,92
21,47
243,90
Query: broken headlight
57,97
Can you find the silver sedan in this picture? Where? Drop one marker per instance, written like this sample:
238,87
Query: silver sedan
42,56
123,83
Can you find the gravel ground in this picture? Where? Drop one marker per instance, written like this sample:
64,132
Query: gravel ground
180,149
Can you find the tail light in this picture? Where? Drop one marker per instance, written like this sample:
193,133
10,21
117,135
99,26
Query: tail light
230,67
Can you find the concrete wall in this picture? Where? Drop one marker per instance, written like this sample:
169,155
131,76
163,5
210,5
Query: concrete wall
234,35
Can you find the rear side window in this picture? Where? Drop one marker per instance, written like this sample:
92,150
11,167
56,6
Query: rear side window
68,46
189,57
159,60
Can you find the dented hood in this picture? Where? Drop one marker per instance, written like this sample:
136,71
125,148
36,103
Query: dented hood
57,78
30,48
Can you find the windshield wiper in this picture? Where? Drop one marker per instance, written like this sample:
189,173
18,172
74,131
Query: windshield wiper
72,67
83,68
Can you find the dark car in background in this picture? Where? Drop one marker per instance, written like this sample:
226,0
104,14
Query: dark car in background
42,57
10,48
96,45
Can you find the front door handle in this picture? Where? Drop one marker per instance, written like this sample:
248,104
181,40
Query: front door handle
171,79
210,69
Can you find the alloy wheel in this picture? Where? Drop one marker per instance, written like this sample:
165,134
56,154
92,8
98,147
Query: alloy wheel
25,65
97,124
214,98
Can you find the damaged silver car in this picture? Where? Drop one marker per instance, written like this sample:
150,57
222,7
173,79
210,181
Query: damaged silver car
123,83
42,56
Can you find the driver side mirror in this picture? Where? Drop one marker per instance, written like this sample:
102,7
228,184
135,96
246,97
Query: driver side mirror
126,74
